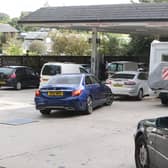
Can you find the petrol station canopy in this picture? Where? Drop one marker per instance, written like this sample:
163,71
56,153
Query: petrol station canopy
136,18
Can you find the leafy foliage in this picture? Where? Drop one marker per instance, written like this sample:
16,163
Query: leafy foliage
70,43
13,47
37,48
4,18
140,45
113,44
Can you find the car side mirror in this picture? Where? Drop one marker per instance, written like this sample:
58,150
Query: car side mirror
162,122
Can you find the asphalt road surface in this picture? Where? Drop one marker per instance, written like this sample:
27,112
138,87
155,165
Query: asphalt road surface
103,139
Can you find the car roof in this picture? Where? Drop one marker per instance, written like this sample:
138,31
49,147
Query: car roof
75,74
60,63
15,66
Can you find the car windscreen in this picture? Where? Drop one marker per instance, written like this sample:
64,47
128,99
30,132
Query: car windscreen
123,76
71,80
51,70
6,71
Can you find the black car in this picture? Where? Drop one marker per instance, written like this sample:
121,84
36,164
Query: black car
18,77
151,143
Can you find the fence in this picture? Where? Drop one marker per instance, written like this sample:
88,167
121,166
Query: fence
36,62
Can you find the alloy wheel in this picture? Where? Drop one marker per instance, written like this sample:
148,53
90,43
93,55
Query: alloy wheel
89,105
141,153
18,85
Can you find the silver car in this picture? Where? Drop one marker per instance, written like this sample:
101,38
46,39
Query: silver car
129,83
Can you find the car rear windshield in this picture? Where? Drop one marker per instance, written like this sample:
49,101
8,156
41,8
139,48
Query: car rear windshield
6,71
72,80
51,70
124,76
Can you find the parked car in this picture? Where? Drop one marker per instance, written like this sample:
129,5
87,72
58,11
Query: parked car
129,83
76,92
151,143
117,66
18,77
53,68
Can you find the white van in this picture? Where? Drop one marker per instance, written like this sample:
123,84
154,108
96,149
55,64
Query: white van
53,68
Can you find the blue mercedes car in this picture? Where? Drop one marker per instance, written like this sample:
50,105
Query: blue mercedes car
74,92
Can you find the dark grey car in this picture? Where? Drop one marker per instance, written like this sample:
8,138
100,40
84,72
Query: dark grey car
151,143
18,77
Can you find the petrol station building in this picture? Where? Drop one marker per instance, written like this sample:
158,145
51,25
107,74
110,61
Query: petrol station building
135,18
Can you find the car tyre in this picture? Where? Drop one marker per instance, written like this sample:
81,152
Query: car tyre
140,94
45,112
109,99
89,105
18,86
141,153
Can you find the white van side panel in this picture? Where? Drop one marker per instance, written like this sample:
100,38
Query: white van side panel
130,66
70,68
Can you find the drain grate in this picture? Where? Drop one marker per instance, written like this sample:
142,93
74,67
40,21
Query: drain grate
19,121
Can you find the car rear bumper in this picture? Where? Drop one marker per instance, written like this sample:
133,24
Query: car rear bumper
71,104
10,83
125,91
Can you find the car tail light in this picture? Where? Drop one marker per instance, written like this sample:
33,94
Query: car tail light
76,92
37,93
130,83
13,75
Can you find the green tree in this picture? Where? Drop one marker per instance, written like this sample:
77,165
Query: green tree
37,48
113,44
77,46
70,43
59,44
4,18
14,22
13,47
139,45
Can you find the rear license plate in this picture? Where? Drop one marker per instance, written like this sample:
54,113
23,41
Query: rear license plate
117,85
55,93
2,82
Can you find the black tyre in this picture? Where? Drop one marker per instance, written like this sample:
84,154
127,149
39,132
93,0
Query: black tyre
45,112
89,106
140,95
141,153
109,99
164,100
18,86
